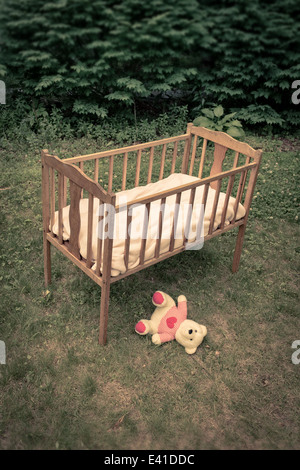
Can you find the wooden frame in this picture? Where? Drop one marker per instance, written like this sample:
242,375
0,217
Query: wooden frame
55,197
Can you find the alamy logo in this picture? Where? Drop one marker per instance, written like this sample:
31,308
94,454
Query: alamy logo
2,92
296,94
296,354
2,353
144,223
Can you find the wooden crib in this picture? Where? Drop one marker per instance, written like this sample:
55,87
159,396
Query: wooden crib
100,176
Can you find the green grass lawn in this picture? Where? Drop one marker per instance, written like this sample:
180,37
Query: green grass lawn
60,390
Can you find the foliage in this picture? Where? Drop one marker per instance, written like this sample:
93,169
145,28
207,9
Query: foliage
92,57
96,59
214,119
39,128
100,58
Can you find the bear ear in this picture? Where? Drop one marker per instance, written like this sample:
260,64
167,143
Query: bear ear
204,330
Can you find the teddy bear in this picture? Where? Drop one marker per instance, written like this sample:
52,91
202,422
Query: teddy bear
169,322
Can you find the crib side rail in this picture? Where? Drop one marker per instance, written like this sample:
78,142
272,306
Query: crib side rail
122,150
159,253
126,167
188,186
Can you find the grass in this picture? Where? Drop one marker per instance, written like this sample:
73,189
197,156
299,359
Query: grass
60,390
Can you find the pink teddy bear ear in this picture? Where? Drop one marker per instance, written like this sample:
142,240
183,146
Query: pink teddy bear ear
158,298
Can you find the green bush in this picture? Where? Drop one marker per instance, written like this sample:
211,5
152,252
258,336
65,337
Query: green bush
94,59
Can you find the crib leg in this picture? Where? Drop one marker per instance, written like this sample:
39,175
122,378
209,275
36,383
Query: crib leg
104,312
47,262
238,248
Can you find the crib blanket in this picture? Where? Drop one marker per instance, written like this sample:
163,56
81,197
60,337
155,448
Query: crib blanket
196,233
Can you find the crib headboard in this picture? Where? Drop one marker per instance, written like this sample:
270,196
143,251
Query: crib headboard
222,142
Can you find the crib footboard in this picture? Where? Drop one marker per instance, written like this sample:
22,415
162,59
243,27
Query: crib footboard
65,185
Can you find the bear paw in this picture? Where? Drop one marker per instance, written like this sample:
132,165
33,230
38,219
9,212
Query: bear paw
142,327
156,339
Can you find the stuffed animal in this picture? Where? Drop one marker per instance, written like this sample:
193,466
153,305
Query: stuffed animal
169,322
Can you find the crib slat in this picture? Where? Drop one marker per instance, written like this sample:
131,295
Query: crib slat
248,159
219,155
229,190
90,231
193,155
236,159
138,168
74,218
174,157
187,227
96,170
160,225
175,221
127,240
205,193
186,154
204,200
150,165
202,158
100,237
162,162
52,198
145,232
110,173
81,168
226,201
238,195
215,205
65,188
60,207
125,160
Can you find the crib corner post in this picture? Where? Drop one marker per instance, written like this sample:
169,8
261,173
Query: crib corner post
238,248
47,261
106,273
46,218
104,306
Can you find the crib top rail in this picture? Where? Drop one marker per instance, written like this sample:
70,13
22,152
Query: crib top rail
122,150
77,176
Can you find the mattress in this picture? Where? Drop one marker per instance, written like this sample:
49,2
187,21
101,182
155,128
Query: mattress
199,221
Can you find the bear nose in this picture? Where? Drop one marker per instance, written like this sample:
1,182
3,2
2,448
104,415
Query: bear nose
190,332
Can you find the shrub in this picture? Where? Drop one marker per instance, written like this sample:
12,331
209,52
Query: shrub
95,59
214,119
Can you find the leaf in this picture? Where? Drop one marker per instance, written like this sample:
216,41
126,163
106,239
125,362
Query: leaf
120,96
219,111
234,123
203,121
83,108
132,84
227,117
235,132
208,112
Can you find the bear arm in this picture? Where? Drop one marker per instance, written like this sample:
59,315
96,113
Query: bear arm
164,337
